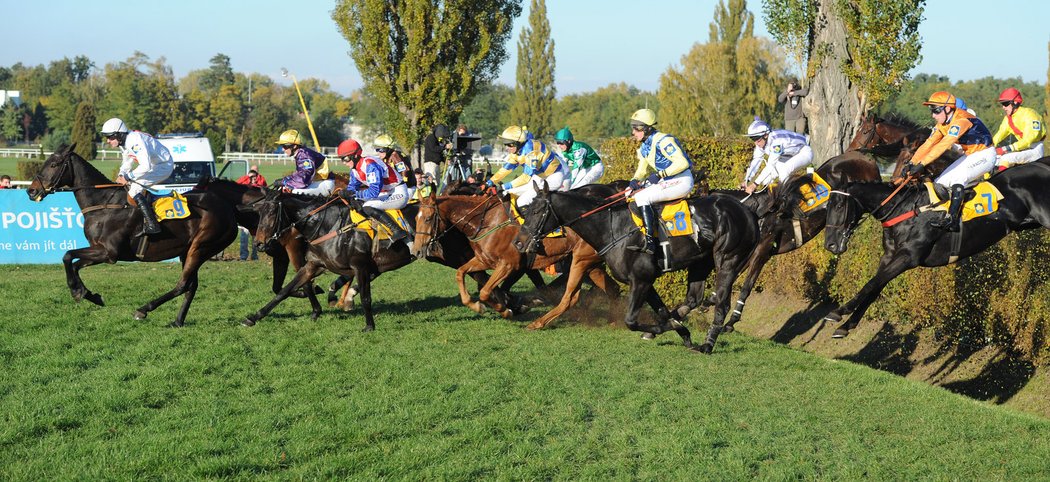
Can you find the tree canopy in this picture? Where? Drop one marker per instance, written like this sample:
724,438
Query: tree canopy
534,91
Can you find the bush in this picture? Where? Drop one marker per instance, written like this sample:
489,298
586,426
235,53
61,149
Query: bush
54,139
27,170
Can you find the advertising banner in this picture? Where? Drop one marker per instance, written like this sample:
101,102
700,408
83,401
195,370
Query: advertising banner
39,232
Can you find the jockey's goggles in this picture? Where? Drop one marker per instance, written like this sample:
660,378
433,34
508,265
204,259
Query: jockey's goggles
936,109
349,159
1005,103
511,144
287,146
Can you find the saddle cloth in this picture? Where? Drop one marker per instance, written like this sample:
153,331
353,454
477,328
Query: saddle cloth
985,201
675,217
365,224
814,194
171,206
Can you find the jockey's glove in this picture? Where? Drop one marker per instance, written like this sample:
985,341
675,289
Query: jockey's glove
654,178
634,185
913,169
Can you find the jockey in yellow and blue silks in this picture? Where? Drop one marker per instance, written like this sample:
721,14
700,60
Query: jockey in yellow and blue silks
673,178
1025,124
538,163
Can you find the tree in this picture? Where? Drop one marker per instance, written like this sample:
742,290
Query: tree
489,112
219,74
724,83
855,54
423,59
83,135
604,113
534,92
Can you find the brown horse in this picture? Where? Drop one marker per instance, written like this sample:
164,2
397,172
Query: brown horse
897,138
486,222
110,223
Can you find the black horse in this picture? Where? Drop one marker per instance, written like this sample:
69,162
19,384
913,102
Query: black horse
909,241
336,244
726,234
783,227
110,224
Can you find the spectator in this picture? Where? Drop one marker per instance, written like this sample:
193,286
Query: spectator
253,178
5,182
794,119
434,150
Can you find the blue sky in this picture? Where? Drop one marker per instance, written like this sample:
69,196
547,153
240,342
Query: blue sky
597,42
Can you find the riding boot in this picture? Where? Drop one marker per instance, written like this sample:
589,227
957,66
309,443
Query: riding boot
950,222
396,232
649,219
149,219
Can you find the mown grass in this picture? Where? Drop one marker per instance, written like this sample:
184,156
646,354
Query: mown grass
438,392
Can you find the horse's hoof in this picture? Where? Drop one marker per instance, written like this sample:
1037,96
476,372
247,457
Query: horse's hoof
367,329
705,348
728,329
507,313
175,324
534,326
140,315
840,333
315,316
95,298
648,336
247,322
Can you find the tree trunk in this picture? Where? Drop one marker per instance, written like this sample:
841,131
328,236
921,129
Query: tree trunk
833,107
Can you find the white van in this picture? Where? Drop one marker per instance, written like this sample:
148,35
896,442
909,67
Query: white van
193,161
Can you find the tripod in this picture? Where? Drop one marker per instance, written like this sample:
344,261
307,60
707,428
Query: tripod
458,169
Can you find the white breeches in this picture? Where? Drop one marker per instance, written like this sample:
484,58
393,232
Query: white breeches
317,188
395,198
967,168
159,173
669,188
587,176
527,192
1021,157
780,170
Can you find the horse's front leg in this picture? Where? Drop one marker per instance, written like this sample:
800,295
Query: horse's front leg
485,294
84,257
301,278
639,292
364,283
571,296
756,262
187,285
727,274
889,268
474,265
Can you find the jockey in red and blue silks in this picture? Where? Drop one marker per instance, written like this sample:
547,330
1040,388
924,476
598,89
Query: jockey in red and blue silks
538,163
376,185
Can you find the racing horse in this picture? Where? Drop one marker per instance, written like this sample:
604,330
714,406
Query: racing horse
485,220
783,228
909,241
335,244
110,224
726,232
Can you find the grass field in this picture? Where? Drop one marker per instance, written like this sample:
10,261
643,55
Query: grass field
438,392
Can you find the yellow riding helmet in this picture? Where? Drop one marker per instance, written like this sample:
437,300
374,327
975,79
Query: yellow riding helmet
384,141
644,117
514,134
290,136
941,98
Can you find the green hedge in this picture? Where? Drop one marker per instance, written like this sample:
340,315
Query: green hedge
1000,297
27,170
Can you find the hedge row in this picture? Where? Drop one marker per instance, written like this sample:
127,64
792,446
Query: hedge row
1000,297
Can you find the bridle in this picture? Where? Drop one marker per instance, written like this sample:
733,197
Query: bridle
435,218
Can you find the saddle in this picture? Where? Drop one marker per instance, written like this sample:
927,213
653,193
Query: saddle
368,225
675,217
981,200
172,205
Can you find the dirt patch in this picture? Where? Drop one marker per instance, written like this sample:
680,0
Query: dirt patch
984,373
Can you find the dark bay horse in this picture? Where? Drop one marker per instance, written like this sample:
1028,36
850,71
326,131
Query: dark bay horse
335,244
110,224
912,242
485,220
897,138
726,234
782,227
290,248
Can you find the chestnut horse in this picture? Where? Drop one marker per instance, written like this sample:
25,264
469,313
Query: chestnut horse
486,222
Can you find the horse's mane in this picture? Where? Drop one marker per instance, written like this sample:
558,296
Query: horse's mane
898,119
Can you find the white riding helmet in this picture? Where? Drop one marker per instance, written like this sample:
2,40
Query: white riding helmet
114,126
758,128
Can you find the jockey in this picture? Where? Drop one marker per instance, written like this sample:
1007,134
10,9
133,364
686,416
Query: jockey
393,157
954,126
375,186
154,165
783,151
585,167
311,167
537,162
673,178
1026,126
